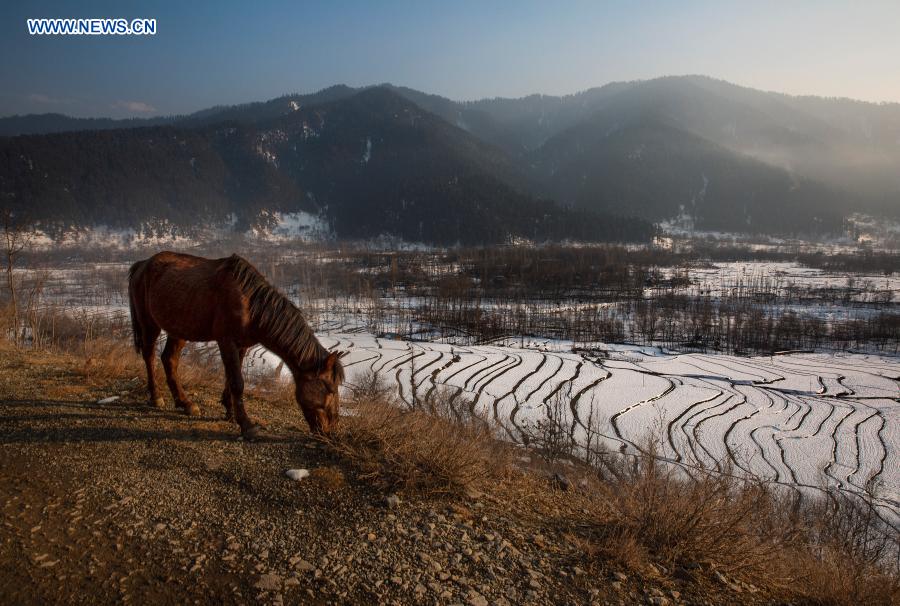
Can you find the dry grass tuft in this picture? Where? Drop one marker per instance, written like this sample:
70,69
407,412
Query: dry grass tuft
847,556
433,449
656,509
735,531
331,478
101,359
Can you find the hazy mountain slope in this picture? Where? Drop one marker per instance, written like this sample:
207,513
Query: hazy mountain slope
849,145
659,171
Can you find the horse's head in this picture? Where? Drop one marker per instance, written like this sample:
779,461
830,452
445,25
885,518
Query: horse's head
317,394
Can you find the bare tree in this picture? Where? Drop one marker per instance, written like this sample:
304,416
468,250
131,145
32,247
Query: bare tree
18,234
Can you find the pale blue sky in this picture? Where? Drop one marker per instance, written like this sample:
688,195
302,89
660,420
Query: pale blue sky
208,53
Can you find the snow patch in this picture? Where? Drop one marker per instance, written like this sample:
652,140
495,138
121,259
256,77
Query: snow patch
277,226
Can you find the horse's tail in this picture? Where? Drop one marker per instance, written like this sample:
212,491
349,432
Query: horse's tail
136,329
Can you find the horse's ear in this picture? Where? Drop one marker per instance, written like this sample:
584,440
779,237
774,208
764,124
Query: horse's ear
328,367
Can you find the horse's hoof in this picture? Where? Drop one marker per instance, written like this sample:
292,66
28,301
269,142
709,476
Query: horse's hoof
158,403
252,433
228,417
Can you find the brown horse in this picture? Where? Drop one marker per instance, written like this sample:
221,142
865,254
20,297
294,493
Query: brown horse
230,302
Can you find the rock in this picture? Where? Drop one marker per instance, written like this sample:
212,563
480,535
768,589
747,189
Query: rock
476,599
159,527
303,565
620,576
560,482
108,400
420,588
269,582
473,494
297,474
683,575
291,582
391,501
659,600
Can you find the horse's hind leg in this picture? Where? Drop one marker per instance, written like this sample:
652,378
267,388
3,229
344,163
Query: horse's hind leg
231,359
148,347
227,402
170,357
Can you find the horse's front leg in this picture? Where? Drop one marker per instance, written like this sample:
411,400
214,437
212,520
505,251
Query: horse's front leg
227,402
231,359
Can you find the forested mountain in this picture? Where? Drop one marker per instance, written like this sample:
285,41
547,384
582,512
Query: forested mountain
372,163
393,159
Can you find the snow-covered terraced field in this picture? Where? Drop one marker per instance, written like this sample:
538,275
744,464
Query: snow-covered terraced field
807,421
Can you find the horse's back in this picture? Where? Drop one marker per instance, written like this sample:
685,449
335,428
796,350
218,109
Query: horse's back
188,296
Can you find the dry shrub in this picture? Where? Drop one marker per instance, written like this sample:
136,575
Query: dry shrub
103,359
199,368
424,449
6,320
821,551
848,555
658,510
103,350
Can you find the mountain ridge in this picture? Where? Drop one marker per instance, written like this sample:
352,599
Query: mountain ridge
373,163
765,162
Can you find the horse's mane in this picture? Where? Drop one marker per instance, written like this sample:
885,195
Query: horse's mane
279,318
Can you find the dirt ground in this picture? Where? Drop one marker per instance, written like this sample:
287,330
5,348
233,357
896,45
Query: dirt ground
122,503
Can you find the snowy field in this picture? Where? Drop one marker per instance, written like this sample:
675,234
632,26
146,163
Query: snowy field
805,421
791,279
